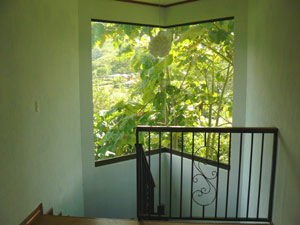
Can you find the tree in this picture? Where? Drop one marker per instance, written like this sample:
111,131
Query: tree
184,76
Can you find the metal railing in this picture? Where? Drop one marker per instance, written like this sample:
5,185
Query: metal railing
145,183
218,174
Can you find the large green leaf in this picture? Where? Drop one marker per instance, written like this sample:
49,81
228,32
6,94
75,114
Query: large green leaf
98,32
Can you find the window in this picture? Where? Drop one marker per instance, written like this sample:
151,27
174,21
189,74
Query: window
142,75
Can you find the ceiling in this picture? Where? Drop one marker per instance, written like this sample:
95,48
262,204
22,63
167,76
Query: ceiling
161,2
164,3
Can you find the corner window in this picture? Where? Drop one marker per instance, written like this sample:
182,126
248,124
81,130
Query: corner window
142,75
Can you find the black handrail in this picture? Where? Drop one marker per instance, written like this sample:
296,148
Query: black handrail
231,130
224,180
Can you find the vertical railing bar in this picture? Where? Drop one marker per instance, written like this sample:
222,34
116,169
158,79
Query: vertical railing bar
141,175
159,183
273,175
149,177
171,160
228,176
145,201
137,176
218,170
137,136
239,176
143,185
149,148
203,207
250,174
260,172
181,173
192,175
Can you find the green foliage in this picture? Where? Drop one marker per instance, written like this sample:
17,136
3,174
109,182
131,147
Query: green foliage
190,86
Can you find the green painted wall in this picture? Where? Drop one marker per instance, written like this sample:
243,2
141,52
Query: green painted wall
273,93
40,153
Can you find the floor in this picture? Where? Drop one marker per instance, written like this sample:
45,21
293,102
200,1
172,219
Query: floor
61,220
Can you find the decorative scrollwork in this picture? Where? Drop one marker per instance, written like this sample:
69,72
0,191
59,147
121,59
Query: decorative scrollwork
205,194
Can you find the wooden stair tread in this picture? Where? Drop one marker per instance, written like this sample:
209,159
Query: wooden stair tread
64,220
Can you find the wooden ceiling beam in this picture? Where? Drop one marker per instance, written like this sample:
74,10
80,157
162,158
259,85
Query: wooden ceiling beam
155,4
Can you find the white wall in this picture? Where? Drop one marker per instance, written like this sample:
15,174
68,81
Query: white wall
255,175
233,182
40,151
198,183
112,191
273,93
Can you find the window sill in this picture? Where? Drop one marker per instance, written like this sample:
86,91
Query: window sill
124,158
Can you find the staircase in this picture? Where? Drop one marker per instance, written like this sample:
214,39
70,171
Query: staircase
37,218
192,188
